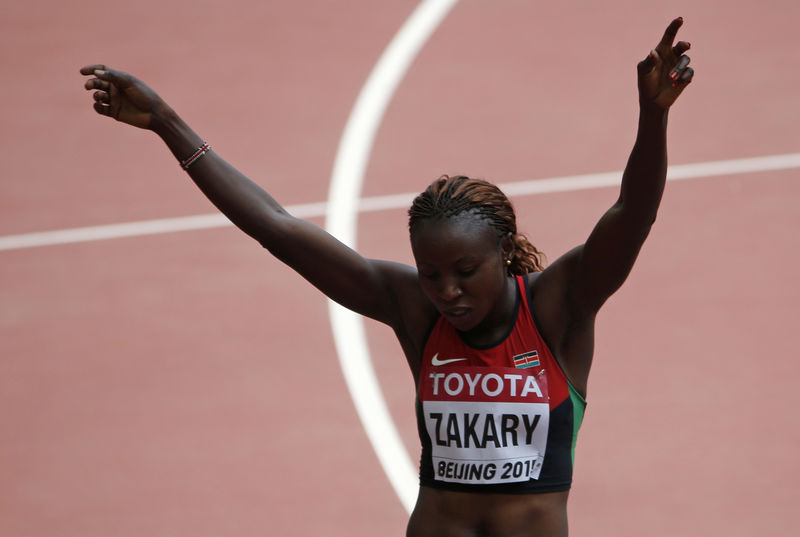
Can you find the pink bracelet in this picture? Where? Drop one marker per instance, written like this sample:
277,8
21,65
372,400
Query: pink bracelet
202,150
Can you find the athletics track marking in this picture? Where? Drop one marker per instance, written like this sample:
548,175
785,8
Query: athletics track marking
352,156
345,203
349,332
347,178
392,201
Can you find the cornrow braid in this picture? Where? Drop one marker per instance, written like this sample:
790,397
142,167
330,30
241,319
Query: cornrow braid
449,196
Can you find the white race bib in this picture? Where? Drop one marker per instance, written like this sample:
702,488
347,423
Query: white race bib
487,425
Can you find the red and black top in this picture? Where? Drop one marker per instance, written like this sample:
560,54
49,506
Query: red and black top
498,419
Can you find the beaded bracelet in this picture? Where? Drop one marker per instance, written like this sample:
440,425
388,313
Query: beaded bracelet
202,150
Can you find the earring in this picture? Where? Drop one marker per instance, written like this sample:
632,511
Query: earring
508,262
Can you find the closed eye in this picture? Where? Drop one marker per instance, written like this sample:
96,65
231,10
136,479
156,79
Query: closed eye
428,275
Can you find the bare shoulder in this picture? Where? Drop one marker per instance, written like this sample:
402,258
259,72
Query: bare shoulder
413,313
551,288
549,291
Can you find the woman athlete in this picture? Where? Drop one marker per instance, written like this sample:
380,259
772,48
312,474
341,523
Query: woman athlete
499,347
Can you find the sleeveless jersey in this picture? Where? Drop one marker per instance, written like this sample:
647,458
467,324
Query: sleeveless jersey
500,419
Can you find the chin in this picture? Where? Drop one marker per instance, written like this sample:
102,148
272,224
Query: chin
462,323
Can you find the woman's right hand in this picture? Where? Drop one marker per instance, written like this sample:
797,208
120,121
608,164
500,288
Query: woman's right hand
124,97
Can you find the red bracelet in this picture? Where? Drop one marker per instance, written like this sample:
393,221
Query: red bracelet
202,150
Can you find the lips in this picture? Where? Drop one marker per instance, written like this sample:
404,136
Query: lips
461,318
456,313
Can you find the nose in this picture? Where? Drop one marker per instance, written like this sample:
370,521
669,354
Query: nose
450,290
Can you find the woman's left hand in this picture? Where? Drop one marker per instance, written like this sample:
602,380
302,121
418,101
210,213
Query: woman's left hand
665,73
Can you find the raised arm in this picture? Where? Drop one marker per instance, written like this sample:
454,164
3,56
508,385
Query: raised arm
600,266
365,286
568,294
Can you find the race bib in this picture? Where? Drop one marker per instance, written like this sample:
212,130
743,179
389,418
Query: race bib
487,425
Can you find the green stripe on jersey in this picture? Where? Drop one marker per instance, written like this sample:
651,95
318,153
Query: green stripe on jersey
578,409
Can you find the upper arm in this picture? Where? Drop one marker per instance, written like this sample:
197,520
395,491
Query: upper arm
568,294
587,275
368,287
375,289
604,262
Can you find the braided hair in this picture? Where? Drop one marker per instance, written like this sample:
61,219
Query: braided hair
449,196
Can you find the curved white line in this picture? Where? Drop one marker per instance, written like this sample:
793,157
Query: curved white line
343,196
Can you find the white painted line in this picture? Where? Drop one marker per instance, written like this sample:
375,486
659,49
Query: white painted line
674,173
345,204
392,201
345,191
137,229
348,327
112,231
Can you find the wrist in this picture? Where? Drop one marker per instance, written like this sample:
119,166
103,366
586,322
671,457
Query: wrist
182,141
648,110
164,121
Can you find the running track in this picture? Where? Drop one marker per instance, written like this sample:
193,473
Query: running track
187,384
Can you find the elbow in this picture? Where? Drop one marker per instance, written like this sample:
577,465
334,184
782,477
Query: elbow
276,233
638,224
270,230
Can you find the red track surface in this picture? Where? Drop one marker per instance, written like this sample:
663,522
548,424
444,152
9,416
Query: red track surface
186,384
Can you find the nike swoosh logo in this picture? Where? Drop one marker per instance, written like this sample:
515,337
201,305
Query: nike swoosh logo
435,360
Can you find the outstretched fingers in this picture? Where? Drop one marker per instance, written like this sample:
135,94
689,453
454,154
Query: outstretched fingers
102,71
121,96
90,69
670,33
665,72
97,84
681,47
102,95
105,76
665,45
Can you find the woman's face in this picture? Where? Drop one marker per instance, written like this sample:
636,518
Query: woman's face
462,270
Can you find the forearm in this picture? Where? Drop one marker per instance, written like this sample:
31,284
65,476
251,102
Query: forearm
245,203
646,172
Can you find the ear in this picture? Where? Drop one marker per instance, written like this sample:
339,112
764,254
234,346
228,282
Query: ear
507,246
